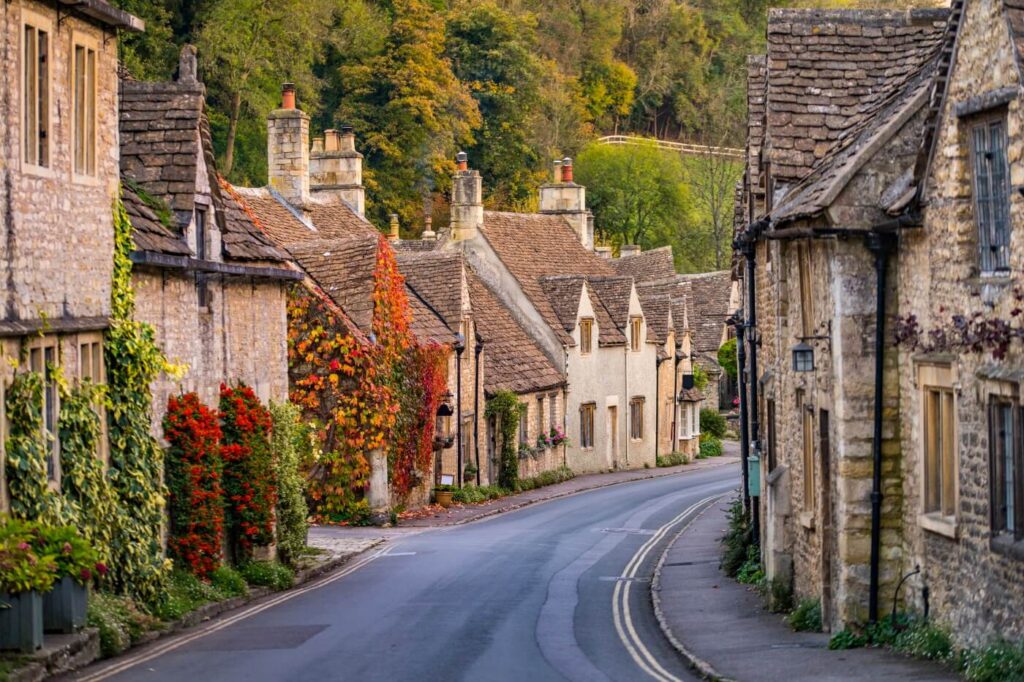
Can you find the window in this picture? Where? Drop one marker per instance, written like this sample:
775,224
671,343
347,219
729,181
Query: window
807,418
586,329
553,411
90,367
770,425
43,359
939,440
1007,477
540,417
991,194
524,426
587,425
806,304
202,286
634,333
35,111
636,418
83,94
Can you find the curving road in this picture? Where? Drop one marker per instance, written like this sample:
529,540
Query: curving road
555,591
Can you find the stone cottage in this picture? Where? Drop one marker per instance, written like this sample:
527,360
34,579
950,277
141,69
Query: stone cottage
61,176
205,276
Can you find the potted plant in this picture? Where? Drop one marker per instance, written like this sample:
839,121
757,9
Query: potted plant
64,607
469,473
443,495
25,575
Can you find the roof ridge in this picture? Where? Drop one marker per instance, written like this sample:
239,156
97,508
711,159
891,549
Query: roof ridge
868,16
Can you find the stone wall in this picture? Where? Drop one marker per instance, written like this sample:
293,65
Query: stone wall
975,585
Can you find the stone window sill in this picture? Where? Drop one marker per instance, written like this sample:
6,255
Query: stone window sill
38,171
938,524
1007,546
87,180
807,520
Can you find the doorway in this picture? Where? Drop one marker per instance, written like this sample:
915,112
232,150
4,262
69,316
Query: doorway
826,518
613,436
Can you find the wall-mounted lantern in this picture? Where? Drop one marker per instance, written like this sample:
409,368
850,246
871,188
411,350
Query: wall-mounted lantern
443,436
803,358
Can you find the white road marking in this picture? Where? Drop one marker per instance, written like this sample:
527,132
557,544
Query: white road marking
624,625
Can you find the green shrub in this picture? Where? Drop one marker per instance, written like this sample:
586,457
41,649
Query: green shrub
737,540
847,639
672,459
472,493
268,574
996,662
710,446
924,640
779,594
727,358
228,582
119,620
291,442
713,423
185,592
751,572
544,478
806,617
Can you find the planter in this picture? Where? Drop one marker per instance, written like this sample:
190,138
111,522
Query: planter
64,607
21,624
443,497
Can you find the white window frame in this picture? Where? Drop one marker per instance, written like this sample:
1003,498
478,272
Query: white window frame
40,23
87,42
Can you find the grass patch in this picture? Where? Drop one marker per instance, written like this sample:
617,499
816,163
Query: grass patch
229,582
472,494
996,662
673,459
905,633
806,617
545,478
268,574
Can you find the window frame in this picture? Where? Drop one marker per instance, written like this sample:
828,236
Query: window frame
524,424
998,263
94,342
41,344
586,335
88,43
588,413
636,425
39,23
810,492
938,381
636,333
805,269
998,479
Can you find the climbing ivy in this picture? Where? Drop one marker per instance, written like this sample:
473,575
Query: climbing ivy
133,361
505,406
27,480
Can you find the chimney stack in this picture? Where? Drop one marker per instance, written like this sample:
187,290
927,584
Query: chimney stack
428,229
288,149
336,170
393,233
603,251
564,197
467,200
629,250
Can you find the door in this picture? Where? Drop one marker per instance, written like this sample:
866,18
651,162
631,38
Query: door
492,450
826,518
613,436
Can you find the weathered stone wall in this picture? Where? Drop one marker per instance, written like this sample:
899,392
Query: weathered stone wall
240,336
975,588
471,413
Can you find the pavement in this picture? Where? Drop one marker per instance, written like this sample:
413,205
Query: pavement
722,627
552,591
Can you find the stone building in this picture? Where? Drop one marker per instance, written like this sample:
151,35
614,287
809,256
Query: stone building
61,177
900,214
205,276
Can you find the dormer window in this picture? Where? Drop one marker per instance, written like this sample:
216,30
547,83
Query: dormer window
635,329
586,333
991,193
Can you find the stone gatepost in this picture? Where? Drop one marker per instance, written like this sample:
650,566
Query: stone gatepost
379,494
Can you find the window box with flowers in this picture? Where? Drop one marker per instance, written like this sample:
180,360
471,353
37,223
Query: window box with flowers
25,575
555,437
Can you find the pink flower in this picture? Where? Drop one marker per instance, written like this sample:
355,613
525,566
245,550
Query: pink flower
86,574
101,568
24,547
66,548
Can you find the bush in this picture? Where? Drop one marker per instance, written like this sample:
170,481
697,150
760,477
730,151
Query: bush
727,358
712,422
751,572
672,459
847,639
228,582
737,540
290,441
806,617
925,640
119,620
472,494
710,446
994,663
185,592
268,574
545,478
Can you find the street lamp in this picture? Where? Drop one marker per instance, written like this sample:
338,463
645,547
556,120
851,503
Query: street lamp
803,358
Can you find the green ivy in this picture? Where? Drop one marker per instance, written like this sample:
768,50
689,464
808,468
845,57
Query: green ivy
700,377
27,444
290,441
84,483
506,407
727,358
133,362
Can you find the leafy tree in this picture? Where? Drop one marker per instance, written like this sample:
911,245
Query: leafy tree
153,54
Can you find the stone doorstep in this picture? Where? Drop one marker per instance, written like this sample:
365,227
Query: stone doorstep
67,653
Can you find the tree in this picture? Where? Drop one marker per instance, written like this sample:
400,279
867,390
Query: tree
153,53
636,192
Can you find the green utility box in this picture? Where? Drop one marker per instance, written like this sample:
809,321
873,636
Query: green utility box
754,476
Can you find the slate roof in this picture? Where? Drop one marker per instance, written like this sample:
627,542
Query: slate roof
564,293
656,314
708,308
426,323
343,269
149,232
614,293
828,70
437,277
534,245
658,297
287,225
240,233
514,360
654,264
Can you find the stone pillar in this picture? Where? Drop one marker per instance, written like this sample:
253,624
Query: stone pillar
288,149
564,197
336,169
467,201
379,494
393,234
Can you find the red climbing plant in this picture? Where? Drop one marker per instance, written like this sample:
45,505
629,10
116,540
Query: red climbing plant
250,487
193,475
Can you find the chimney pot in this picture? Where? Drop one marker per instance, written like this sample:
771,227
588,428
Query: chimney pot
628,250
556,176
288,96
332,142
462,161
567,170
318,144
428,228
348,139
393,235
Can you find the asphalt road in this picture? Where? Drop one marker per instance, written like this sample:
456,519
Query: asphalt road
555,591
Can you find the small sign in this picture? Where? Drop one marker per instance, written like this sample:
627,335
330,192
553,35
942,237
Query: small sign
447,479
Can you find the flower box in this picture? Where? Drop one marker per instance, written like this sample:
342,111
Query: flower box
21,621
64,607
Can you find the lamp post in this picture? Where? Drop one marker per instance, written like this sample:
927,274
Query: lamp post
476,404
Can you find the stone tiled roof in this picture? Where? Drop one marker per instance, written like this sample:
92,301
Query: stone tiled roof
828,70
426,323
757,72
149,232
656,313
241,235
287,225
653,264
343,269
437,277
514,361
614,293
672,291
416,245
339,220
534,245
708,308
1014,10
564,293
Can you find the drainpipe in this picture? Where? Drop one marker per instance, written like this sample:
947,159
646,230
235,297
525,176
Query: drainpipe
741,358
879,244
460,345
476,404
677,358
625,407
657,406
751,310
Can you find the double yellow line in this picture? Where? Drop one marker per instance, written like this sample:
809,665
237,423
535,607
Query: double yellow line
620,600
